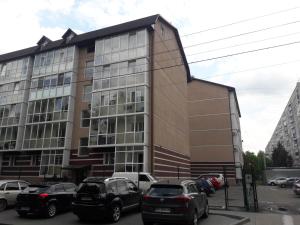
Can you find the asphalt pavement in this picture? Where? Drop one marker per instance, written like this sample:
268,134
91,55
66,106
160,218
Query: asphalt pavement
10,217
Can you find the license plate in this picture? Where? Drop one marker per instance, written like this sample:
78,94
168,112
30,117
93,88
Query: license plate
163,210
24,208
86,198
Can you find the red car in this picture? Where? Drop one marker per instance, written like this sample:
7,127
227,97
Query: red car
215,182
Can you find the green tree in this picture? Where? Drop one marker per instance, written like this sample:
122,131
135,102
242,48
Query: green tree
255,163
280,156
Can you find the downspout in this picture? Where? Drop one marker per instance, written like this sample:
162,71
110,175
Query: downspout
231,132
151,83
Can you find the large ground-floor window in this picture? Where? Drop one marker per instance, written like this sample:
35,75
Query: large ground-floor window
51,163
129,158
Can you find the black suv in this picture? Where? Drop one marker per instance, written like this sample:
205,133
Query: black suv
105,198
45,199
176,202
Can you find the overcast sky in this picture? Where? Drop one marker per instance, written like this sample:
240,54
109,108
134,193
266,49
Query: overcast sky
269,76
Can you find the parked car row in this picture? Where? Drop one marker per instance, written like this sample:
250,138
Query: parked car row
9,189
98,198
210,182
296,187
283,181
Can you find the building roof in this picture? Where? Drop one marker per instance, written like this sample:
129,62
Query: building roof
231,89
86,38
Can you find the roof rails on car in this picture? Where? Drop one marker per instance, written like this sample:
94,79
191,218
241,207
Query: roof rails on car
115,178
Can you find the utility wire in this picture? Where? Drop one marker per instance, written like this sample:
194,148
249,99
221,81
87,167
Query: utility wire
252,69
241,21
246,43
181,64
242,34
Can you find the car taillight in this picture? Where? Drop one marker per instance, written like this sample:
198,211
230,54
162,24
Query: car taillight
43,195
146,197
183,199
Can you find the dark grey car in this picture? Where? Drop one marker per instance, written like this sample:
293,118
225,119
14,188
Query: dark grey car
177,202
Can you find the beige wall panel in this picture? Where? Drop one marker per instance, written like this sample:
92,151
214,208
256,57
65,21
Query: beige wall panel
212,154
214,137
170,115
210,122
209,107
199,90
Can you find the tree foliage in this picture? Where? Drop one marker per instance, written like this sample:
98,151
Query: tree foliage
254,163
280,157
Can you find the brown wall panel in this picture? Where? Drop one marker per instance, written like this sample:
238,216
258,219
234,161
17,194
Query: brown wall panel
170,116
209,122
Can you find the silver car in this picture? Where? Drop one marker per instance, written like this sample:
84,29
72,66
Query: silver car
9,189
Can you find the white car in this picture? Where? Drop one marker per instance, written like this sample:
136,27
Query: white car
145,179
277,181
9,189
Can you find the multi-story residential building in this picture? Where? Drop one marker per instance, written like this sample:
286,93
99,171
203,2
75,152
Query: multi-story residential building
215,133
115,99
287,131
98,102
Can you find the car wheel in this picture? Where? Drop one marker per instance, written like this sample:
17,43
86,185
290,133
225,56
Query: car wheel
22,214
51,210
147,223
3,204
115,213
194,220
206,211
83,218
272,184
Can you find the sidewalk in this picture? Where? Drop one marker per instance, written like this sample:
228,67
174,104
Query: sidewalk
261,218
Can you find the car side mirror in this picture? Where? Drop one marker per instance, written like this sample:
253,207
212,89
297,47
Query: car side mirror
134,189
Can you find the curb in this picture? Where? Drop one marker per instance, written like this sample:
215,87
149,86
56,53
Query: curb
241,220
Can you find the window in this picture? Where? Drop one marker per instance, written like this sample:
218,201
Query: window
12,186
143,177
109,158
59,188
112,187
122,186
89,69
192,189
83,147
85,118
87,93
23,185
2,187
131,186
69,187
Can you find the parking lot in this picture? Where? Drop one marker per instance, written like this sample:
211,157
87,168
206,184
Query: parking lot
271,199
10,217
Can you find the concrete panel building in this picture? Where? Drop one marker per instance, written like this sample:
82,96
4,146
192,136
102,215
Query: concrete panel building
214,127
287,131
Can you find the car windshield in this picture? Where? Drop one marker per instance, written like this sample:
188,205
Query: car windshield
36,189
165,190
91,188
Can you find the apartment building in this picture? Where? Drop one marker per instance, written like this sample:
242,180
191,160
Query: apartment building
214,128
108,100
287,131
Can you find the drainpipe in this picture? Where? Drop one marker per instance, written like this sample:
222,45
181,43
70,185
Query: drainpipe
151,83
